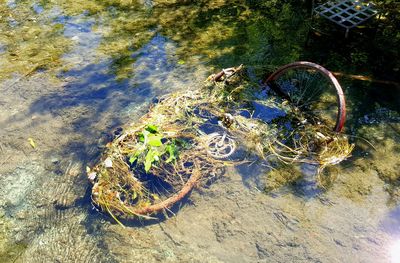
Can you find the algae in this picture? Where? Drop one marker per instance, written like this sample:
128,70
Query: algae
380,130
282,175
32,42
9,251
357,186
217,31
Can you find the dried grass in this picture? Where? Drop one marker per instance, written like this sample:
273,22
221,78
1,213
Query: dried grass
125,190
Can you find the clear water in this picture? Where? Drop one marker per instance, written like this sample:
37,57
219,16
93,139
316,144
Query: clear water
71,72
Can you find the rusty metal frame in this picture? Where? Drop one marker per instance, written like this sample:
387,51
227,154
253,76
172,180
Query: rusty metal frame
341,114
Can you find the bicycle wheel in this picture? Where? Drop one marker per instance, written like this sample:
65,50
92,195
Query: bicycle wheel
311,90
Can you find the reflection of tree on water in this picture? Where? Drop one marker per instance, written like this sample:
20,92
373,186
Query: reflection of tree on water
223,31
261,34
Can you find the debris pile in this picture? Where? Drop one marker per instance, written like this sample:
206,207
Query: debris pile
188,137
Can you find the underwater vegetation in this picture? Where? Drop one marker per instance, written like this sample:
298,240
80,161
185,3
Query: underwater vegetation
215,31
262,35
29,41
8,251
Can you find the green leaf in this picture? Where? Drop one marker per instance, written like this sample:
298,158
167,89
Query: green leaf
151,157
148,160
154,140
134,157
151,128
172,151
141,137
184,144
181,62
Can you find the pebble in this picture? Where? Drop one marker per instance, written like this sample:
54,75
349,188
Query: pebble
21,215
54,159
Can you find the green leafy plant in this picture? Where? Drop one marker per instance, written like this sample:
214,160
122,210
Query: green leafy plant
153,148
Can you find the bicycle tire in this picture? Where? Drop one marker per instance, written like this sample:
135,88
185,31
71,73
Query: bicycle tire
271,81
171,201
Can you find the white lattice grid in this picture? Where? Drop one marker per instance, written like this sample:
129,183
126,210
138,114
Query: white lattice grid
347,13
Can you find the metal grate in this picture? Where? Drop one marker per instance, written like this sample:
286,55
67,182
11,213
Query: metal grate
347,13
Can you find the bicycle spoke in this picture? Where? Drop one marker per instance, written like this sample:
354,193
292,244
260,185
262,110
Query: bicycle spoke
311,90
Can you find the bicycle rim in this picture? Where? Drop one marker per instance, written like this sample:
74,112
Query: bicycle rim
312,90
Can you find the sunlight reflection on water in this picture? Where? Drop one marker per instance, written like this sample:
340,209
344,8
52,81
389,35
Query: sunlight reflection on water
391,223
395,252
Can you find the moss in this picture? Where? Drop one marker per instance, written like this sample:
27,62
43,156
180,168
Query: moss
9,251
226,32
30,42
386,163
282,175
357,186
12,252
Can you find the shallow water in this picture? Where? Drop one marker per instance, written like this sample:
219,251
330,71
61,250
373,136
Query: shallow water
72,72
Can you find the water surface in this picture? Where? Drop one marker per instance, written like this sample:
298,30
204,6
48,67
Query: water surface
71,72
